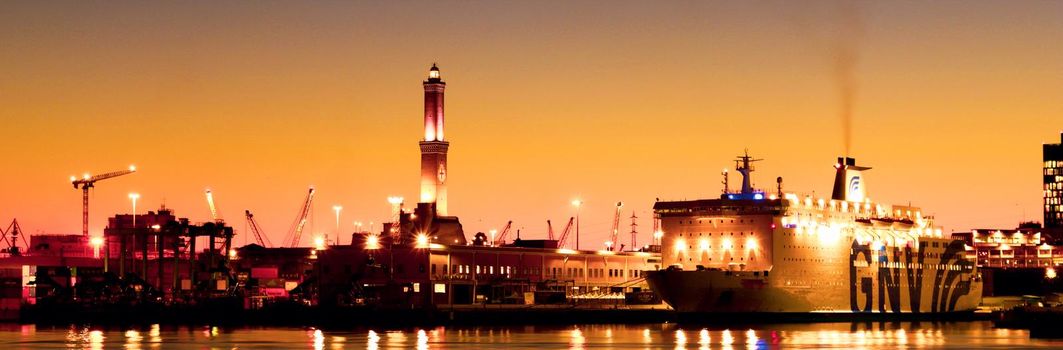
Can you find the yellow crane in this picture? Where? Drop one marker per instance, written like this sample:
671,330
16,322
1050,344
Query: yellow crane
213,209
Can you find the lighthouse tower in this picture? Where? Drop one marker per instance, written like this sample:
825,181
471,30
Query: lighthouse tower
434,147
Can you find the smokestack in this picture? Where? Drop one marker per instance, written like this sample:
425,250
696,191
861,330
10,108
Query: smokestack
848,181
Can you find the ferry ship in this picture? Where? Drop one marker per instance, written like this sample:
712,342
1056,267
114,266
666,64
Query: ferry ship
754,252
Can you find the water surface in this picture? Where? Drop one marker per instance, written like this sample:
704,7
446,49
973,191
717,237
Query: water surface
871,335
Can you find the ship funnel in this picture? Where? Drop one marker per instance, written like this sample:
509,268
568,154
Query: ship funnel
849,182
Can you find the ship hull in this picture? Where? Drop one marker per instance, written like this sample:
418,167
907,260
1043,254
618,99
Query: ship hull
726,294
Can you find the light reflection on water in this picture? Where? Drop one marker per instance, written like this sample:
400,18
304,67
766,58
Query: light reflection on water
961,335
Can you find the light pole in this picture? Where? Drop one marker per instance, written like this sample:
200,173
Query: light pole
337,208
578,203
133,255
134,197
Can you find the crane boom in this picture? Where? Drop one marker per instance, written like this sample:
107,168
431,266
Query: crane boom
614,245
502,235
300,220
87,182
213,209
257,231
549,230
564,232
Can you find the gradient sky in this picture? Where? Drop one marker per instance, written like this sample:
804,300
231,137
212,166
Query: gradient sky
546,101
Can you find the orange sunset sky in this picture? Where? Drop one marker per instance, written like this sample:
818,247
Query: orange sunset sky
546,102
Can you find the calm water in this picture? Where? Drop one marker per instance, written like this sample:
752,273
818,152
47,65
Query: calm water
964,335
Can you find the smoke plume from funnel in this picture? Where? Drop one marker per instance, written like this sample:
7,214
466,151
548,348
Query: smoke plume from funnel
848,33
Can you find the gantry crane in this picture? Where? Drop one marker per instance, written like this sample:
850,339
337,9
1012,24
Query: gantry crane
613,244
257,231
564,232
501,238
296,231
87,182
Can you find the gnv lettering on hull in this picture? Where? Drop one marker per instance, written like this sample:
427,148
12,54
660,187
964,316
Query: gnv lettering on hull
948,285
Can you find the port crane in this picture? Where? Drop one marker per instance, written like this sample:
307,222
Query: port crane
501,239
213,209
14,231
296,232
565,231
87,182
257,231
612,244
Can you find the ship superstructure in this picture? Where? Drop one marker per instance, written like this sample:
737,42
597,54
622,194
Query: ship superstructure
751,251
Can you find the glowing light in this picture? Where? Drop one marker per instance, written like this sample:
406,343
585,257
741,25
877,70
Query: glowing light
751,244
372,340
132,168
156,227
577,202
577,338
680,337
703,337
232,253
73,178
658,234
422,241
727,338
319,243
395,200
566,251
1050,273
422,339
96,241
85,176
319,340
703,244
680,245
372,242
727,244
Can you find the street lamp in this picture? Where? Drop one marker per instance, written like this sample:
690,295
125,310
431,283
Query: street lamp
337,208
578,203
96,242
134,197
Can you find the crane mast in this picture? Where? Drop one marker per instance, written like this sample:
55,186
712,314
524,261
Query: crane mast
613,244
213,209
549,230
564,232
256,230
87,182
296,231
